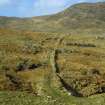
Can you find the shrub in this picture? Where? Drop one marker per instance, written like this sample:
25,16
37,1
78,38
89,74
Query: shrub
22,65
32,48
95,71
26,64
81,44
5,68
14,82
87,83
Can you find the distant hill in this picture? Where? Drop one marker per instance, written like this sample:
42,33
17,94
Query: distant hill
89,16
51,65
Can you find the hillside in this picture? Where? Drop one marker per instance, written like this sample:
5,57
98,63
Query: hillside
54,60
83,16
45,68
40,58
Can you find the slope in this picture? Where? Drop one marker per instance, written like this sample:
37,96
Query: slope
84,16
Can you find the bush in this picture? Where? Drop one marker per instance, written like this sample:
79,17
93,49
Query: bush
12,81
87,83
32,48
26,64
22,65
81,44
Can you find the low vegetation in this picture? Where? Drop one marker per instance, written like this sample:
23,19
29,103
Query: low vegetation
26,63
52,68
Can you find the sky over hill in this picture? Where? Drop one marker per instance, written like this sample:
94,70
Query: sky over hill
27,8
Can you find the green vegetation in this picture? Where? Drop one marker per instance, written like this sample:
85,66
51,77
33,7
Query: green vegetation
86,17
20,98
72,62
64,65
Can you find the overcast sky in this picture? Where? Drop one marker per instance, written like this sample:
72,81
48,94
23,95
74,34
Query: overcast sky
27,8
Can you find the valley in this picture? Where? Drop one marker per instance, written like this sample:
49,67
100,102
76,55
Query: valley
54,60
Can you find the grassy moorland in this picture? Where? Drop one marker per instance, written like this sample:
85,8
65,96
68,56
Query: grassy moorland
54,60
30,73
83,16
20,98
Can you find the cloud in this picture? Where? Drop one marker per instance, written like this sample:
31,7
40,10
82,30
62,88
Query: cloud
49,3
4,2
44,7
23,8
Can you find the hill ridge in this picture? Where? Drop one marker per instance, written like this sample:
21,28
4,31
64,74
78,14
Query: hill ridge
79,16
